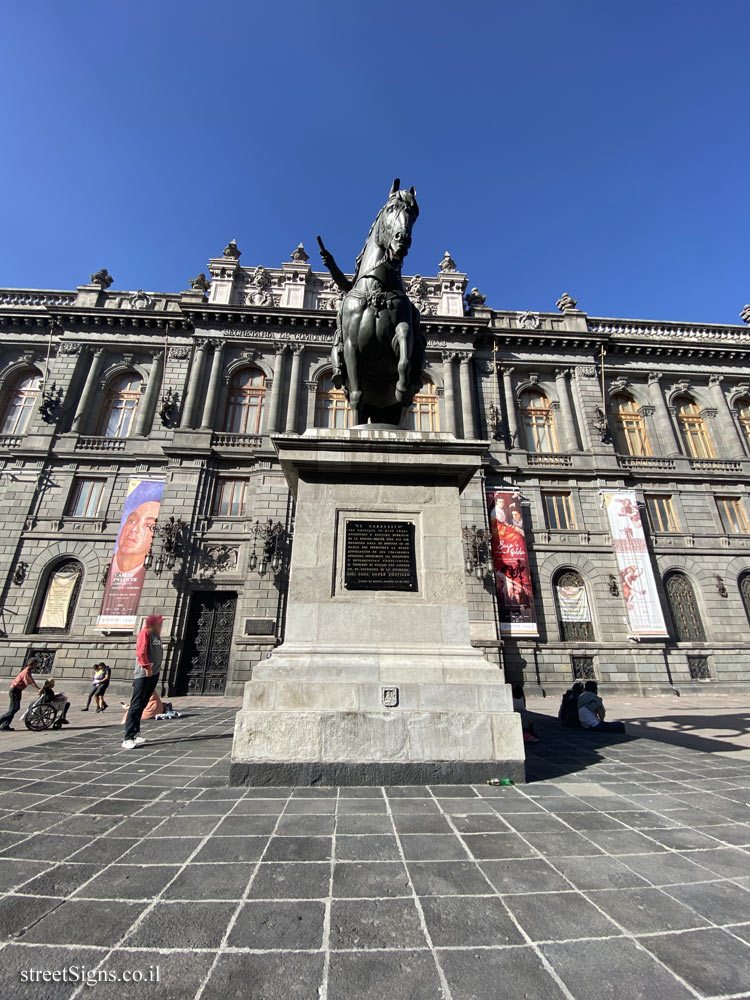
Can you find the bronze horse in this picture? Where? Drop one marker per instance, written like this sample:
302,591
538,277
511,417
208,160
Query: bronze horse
378,352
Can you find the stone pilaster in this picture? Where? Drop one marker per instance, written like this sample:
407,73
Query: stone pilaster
731,442
272,421
214,381
449,398
147,406
567,420
195,385
510,407
295,382
86,402
467,403
667,437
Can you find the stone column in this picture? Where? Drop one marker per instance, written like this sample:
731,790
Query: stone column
731,441
449,393
312,396
272,421
567,420
295,381
467,406
510,408
145,415
662,419
195,385
214,381
86,402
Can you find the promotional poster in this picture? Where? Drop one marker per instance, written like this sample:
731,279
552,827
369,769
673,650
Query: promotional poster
633,561
122,592
510,562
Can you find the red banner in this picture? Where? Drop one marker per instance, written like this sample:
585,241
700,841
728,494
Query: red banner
510,560
122,592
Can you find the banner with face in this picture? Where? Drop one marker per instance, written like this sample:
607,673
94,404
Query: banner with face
122,592
510,561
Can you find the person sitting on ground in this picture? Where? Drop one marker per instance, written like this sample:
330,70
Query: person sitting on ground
519,705
154,707
591,711
568,714
58,700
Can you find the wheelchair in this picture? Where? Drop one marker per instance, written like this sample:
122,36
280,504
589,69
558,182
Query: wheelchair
43,714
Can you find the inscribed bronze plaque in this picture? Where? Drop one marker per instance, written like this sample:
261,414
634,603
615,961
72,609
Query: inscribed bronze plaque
379,555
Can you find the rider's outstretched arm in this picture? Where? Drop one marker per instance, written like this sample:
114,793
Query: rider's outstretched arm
336,273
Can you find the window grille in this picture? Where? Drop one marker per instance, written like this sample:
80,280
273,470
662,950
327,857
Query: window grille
686,618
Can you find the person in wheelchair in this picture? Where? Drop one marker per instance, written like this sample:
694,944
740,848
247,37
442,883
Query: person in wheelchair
38,718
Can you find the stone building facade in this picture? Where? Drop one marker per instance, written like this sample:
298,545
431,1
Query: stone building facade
98,387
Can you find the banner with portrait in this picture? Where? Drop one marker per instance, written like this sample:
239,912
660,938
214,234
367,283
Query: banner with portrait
634,563
510,561
122,591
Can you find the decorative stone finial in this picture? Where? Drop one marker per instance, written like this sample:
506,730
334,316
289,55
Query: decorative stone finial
232,250
745,315
201,283
447,263
566,304
474,298
102,278
299,256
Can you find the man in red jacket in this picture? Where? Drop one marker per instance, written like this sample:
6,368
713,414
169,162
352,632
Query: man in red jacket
19,683
148,657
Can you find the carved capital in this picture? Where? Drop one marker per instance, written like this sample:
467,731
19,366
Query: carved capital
311,386
560,373
715,379
647,411
708,413
464,357
654,377
448,357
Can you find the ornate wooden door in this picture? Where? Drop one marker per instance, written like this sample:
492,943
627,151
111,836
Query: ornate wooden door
208,643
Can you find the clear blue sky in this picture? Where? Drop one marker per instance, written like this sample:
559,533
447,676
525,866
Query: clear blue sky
587,146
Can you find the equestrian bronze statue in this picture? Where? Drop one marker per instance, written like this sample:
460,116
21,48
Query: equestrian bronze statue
378,351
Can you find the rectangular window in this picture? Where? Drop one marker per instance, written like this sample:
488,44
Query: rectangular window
559,511
732,514
661,514
85,498
230,498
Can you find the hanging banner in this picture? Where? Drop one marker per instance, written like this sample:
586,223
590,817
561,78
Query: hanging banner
573,603
633,561
62,586
122,592
510,561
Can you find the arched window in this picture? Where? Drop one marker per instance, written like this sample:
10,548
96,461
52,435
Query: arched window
19,402
693,429
331,405
573,613
58,603
683,608
744,584
422,415
630,428
247,396
538,422
120,403
743,415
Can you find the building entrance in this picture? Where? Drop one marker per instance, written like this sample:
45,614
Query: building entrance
205,658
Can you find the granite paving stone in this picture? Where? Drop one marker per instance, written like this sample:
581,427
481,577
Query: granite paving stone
630,852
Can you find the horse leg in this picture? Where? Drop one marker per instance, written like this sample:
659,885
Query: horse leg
355,393
403,344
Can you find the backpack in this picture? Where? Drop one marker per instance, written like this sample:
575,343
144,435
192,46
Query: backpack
569,711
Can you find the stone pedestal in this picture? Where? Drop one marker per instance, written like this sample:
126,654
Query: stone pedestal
376,686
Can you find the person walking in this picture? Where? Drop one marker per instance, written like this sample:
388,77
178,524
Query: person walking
19,683
148,657
99,684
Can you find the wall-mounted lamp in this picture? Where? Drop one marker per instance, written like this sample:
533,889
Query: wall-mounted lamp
170,535
478,551
272,538
721,587
19,574
614,587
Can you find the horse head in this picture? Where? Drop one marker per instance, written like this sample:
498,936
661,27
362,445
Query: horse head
395,221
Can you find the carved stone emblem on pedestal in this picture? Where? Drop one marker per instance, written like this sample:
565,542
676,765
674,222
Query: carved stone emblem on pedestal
390,697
